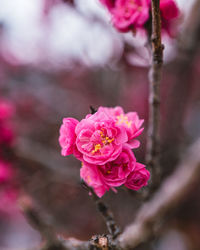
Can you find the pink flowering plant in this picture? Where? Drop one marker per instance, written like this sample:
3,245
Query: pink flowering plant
133,15
103,143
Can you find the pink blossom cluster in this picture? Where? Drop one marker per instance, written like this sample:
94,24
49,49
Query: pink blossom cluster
103,143
131,15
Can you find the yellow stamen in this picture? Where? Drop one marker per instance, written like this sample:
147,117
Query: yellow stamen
97,147
89,179
123,119
101,134
110,140
105,141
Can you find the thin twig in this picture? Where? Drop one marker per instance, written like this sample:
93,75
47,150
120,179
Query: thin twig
153,140
113,229
104,210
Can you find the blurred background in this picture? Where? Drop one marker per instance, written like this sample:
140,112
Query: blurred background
56,59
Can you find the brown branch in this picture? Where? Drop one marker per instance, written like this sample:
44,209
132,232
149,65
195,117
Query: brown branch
182,69
153,140
169,196
45,156
106,213
40,224
148,221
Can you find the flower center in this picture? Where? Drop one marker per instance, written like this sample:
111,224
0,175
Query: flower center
123,119
105,140
97,147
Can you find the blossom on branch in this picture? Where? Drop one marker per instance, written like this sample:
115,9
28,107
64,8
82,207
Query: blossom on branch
169,12
103,142
128,14
132,15
129,121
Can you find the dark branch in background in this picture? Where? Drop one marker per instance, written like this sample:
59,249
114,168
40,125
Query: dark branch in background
39,223
113,229
148,221
153,140
182,69
175,188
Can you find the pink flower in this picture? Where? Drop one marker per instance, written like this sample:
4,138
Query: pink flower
67,136
169,11
5,172
99,139
103,142
138,178
110,4
6,134
128,14
90,174
130,121
114,173
6,110
6,131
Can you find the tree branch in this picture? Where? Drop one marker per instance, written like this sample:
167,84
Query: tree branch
169,196
148,220
40,224
153,140
106,213
182,69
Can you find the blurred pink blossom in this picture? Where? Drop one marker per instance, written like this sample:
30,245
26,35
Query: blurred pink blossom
6,130
6,110
128,14
5,172
169,12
